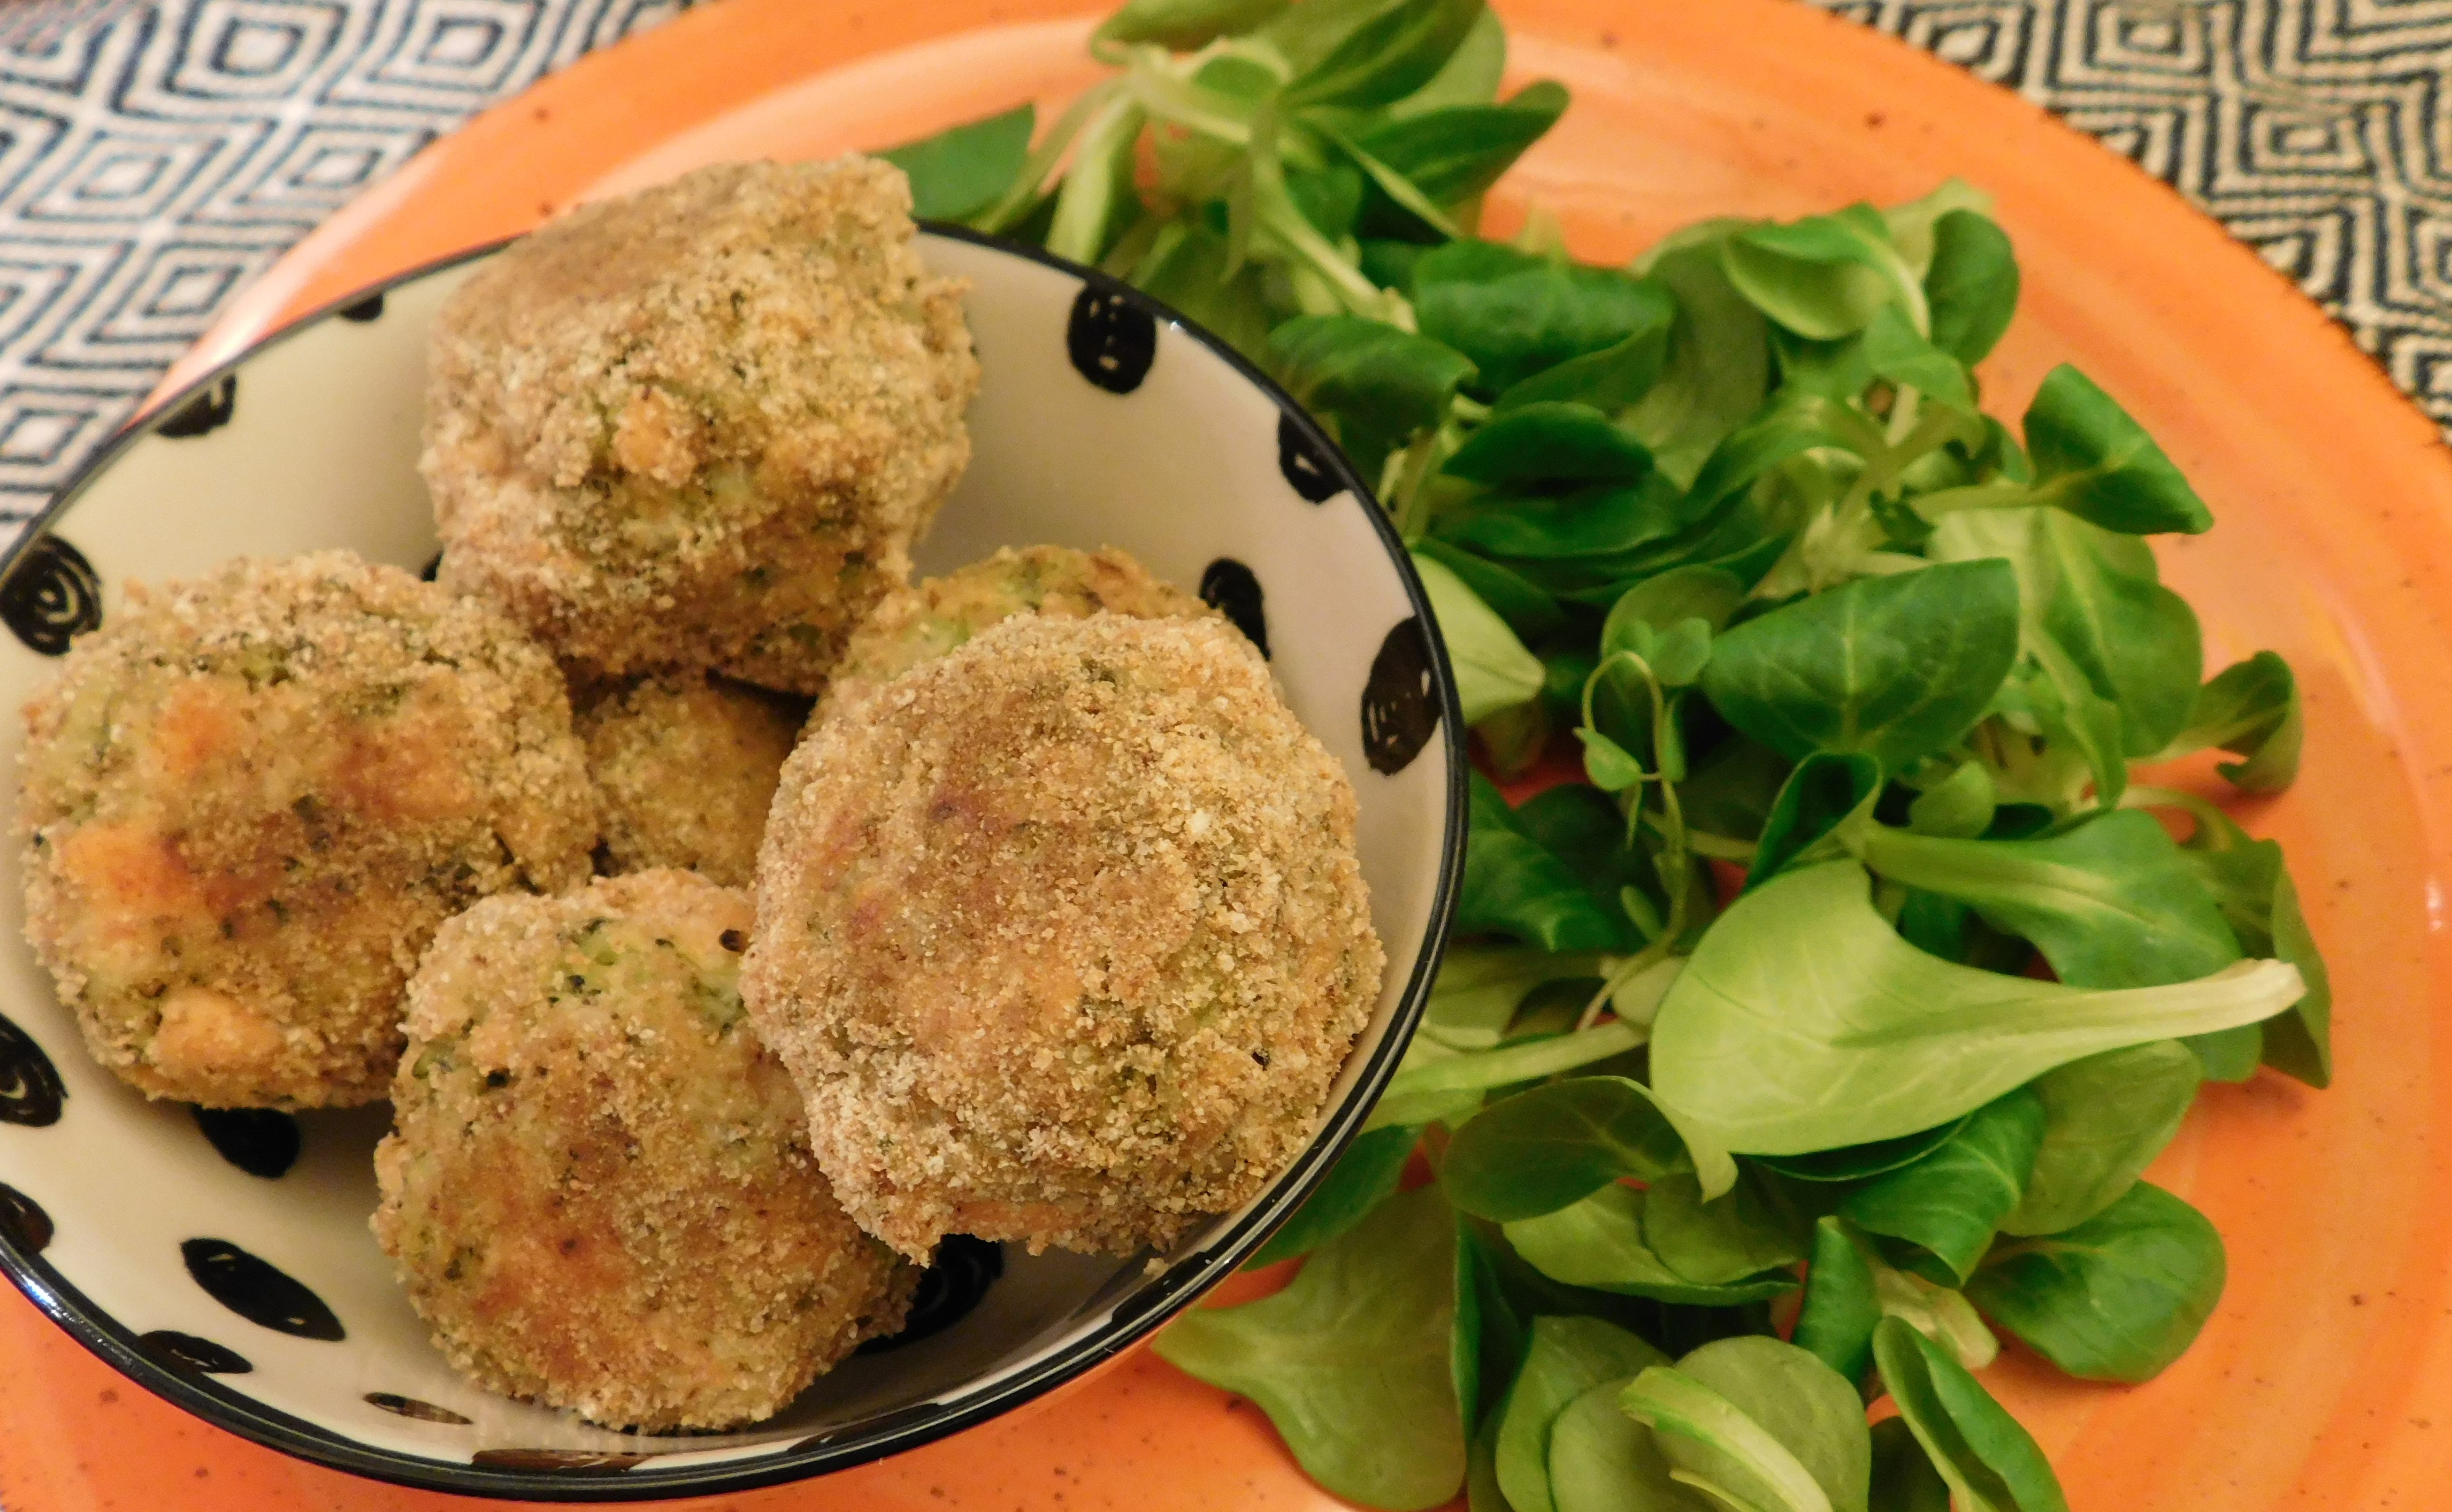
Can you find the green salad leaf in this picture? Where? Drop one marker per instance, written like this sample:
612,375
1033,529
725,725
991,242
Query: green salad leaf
1601,1242
1826,798
1387,56
2110,903
1550,441
1904,1478
1451,153
1733,1239
2105,1118
1553,1145
1515,886
1603,1461
1350,1361
2091,460
1945,1209
1363,1177
1375,384
1971,284
1516,314
1896,667
1803,1022
1567,1359
1836,1322
1183,25
1825,275
1810,1409
1989,1463
2252,887
1494,672
2251,710
2094,615
1755,1423
959,174
2115,1298
1717,371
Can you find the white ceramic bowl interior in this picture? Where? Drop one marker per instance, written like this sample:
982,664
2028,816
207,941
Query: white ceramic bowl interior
1100,421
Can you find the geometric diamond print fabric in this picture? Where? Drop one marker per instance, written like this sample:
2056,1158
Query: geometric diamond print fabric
2317,131
156,156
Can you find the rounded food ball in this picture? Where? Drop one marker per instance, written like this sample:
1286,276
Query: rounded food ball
701,424
249,800
597,1190
1062,936
929,617
687,766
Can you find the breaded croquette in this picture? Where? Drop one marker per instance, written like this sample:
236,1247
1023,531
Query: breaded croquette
249,800
686,764
597,1190
1062,936
699,426
934,615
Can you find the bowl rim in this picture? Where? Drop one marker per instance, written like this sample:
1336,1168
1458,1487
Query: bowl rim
1132,1317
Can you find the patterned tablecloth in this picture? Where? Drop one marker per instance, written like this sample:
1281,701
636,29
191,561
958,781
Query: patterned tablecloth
156,154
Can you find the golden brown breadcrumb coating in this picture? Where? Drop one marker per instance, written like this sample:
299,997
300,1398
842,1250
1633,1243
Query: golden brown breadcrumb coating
701,424
597,1190
685,765
1062,936
933,615
249,800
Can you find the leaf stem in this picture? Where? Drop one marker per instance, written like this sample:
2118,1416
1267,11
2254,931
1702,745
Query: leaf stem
1411,504
1023,193
1720,847
1674,862
1521,1062
1168,96
1100,172
2206,813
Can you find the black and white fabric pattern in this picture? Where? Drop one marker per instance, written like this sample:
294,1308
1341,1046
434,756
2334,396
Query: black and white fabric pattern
156,154
2317,131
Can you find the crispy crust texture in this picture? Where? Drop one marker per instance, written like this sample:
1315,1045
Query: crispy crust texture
248,801
701,425
1062,936
687,766
929,617
597,1190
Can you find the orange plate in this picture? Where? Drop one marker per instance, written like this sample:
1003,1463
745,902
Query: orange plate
2325,1380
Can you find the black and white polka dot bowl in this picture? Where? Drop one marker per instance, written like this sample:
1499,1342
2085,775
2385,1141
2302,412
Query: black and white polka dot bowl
223,1259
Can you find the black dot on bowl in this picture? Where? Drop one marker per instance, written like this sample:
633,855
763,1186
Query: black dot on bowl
208,411
30,1092
364,311
258,1291
412,1408
185,1351
567,1462
23,1223
953,1285
52,596
1228,587
432,569
1401,708
1111,339
260,1140
1305,466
